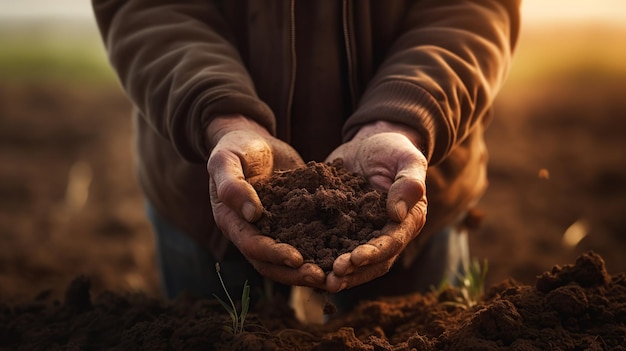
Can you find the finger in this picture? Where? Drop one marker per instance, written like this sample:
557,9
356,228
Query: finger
255,246
335,283
308,274
394,239
231,188
343,264
407,189
378,249
263,248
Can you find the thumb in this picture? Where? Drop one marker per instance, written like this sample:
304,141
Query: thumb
406,191
230,187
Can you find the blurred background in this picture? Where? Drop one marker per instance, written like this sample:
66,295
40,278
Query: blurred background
70,204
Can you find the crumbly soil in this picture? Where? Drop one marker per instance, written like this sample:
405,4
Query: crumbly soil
573,307
322,209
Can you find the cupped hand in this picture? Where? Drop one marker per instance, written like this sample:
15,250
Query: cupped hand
243,151
387,156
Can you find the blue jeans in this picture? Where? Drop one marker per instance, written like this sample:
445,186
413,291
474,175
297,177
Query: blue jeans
186,266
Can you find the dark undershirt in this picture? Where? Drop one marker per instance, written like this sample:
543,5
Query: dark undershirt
319,85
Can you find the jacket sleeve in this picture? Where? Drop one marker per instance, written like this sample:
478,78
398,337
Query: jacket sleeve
176,62
442,73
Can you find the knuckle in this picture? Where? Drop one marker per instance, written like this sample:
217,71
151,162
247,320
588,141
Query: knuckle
217,159
227,189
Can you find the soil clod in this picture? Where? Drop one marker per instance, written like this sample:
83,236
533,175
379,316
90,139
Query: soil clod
322,209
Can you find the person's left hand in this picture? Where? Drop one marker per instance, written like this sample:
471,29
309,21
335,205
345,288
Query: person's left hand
386,155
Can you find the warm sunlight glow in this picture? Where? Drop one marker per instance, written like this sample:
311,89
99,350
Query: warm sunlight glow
59,9
534,11
546,12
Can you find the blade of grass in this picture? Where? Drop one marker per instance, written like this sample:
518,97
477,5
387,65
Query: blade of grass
238,319
245,304
233,310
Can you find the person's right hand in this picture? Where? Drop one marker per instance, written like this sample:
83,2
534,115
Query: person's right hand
244,151
386,155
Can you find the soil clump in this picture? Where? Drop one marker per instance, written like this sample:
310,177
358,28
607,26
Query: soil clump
321,209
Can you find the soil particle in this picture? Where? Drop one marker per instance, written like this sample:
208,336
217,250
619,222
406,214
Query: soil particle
343,339
419,343
498,321
569,300
321,209
588,271
77,294
250,341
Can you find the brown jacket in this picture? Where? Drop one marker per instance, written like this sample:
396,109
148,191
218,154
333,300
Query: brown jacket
311,72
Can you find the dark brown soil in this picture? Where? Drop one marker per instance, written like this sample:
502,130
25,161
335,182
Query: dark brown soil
574,307
321,209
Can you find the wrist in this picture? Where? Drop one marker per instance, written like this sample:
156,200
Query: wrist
222,125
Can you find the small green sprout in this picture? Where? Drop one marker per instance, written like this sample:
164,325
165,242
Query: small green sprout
472,284
237,318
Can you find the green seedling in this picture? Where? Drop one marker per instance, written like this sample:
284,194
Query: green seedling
238,319
472,285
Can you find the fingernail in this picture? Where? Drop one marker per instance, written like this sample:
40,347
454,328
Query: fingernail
343,286
401,209
248,210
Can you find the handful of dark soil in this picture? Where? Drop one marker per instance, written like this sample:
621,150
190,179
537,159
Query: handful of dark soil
322,209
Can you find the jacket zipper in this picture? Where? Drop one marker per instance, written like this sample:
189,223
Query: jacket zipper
292,78
347,30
